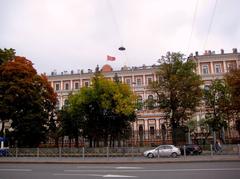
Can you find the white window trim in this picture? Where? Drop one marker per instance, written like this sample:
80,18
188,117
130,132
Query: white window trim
205,67
220,68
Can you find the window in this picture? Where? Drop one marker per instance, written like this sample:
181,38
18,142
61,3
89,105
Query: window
139,99
128,81
150,97
167,147
57,105
86,83
150,102
149,81
57,87
76,86
229,66
139,82
66,86
218,68
140,128
205,69
151,130
206,87
139,102
65,102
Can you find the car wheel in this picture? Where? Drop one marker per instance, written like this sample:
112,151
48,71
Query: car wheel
150,155
174,155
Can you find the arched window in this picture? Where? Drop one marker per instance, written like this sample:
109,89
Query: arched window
65,102
150,97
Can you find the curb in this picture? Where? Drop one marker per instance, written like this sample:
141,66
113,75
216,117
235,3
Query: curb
117,162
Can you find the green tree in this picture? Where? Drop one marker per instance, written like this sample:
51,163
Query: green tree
192,129
217,102
71,123
105,110
27,100
233,81
178,90
6,55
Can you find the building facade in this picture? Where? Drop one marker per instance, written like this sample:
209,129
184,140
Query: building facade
150,126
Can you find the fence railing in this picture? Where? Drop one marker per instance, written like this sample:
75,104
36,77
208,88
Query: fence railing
106,152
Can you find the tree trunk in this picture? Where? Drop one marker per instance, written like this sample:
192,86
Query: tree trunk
214,139
76,142
56,141
223,135
90,142
70,143
62,141
2,130
105,141
174,135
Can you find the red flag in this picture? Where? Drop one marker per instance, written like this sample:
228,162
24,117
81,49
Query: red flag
110,58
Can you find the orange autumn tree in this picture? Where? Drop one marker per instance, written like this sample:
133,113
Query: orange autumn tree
28,101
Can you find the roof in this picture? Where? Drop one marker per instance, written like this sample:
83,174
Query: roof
106,68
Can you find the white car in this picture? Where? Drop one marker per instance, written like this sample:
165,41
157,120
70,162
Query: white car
163,151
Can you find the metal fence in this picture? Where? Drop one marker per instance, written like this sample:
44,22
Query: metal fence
107,152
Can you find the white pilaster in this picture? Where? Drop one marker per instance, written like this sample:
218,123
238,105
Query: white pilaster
212,68
224,67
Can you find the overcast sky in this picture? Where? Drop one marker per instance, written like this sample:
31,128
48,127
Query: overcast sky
79,34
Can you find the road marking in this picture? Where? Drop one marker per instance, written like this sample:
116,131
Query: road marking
162,170
94,175
118,176
129,168
15,170
120,168
95,167
76,174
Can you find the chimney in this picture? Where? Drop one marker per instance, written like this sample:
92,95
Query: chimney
234,50
222,51
209,52
89,71
196,53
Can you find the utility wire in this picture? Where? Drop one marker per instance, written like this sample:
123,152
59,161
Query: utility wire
193,24
117,29
210,25
114,21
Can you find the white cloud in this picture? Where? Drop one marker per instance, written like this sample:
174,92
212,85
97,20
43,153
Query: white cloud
78,34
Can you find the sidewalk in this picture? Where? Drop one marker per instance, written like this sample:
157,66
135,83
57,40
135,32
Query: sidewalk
120,160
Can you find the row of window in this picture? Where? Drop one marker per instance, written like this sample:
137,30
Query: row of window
66,86
152,129
217,68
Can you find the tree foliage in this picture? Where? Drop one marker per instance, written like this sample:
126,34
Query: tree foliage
104,110
6,55
217,103
27,100
233,81
177,88
217,100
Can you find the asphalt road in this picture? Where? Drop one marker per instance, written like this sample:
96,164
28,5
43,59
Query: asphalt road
212,170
